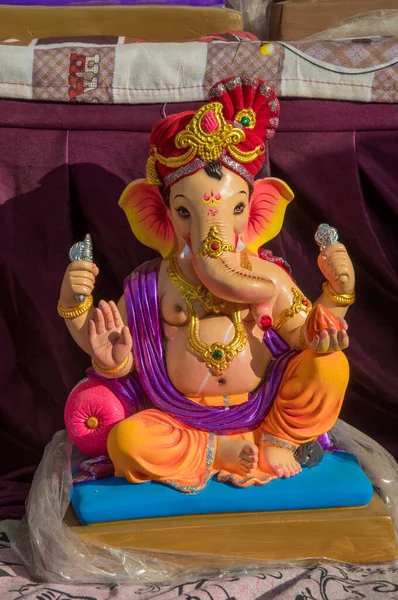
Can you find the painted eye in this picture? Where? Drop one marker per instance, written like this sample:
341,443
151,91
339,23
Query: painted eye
239,208
183,212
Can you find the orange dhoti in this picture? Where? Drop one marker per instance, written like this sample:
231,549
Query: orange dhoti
152,445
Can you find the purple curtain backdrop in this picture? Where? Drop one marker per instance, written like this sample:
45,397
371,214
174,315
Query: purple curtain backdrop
62,169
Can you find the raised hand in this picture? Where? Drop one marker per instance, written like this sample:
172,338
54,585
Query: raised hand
337,268
79,279
110,340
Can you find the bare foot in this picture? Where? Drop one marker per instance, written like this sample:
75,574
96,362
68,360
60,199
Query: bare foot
235,456
279,460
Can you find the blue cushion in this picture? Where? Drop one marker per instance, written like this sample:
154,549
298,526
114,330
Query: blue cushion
337,481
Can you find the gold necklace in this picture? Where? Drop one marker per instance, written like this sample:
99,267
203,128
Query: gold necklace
217,356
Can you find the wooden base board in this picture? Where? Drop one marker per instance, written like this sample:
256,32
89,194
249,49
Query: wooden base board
151,23
356,535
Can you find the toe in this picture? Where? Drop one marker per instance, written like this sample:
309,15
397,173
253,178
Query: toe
248,462
297,468
285,470
288,472
278,470
250,451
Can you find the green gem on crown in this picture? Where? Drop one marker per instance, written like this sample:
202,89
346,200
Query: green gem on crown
245,121
218,355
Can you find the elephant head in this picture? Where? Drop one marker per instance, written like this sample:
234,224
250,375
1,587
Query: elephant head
213,201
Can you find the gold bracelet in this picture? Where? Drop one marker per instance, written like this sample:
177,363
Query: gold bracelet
114,371
339,299
302,340
75,311
302,344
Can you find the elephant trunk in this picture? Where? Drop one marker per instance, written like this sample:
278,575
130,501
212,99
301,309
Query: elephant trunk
224,276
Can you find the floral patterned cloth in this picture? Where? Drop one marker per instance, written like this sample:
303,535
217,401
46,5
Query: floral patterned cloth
319,582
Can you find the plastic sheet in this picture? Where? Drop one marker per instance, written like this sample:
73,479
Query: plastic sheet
256,15
375,23
52,552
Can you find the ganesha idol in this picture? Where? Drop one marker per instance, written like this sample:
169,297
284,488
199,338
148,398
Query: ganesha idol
215,361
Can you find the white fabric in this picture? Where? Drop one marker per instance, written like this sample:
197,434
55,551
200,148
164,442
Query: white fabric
172,73
16,66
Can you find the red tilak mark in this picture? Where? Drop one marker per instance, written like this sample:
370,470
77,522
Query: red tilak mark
212,199
212,212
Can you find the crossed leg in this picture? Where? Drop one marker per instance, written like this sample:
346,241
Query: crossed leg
152,445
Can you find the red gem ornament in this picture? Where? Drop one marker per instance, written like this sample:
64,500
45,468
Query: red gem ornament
304,302
265,322
215,246
209,122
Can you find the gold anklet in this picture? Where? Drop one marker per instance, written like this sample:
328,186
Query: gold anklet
271,440
67,312
339,299
114,371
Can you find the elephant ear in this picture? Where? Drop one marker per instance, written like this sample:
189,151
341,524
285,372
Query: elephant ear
148,216
267,210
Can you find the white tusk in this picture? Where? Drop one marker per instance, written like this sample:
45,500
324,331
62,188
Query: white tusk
240,245
186,252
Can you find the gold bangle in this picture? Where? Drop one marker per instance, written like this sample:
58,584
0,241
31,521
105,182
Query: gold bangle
302,340
75,311
114,371
339,299
302,344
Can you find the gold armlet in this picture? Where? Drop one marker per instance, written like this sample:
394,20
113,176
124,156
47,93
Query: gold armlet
214,245
339,299
114,371
300,304
75,311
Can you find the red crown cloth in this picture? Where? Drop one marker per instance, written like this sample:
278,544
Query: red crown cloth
232,128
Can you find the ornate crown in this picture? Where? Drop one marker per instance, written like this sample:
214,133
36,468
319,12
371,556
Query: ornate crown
230,130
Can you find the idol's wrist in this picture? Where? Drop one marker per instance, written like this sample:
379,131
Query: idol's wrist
338,298
114,372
